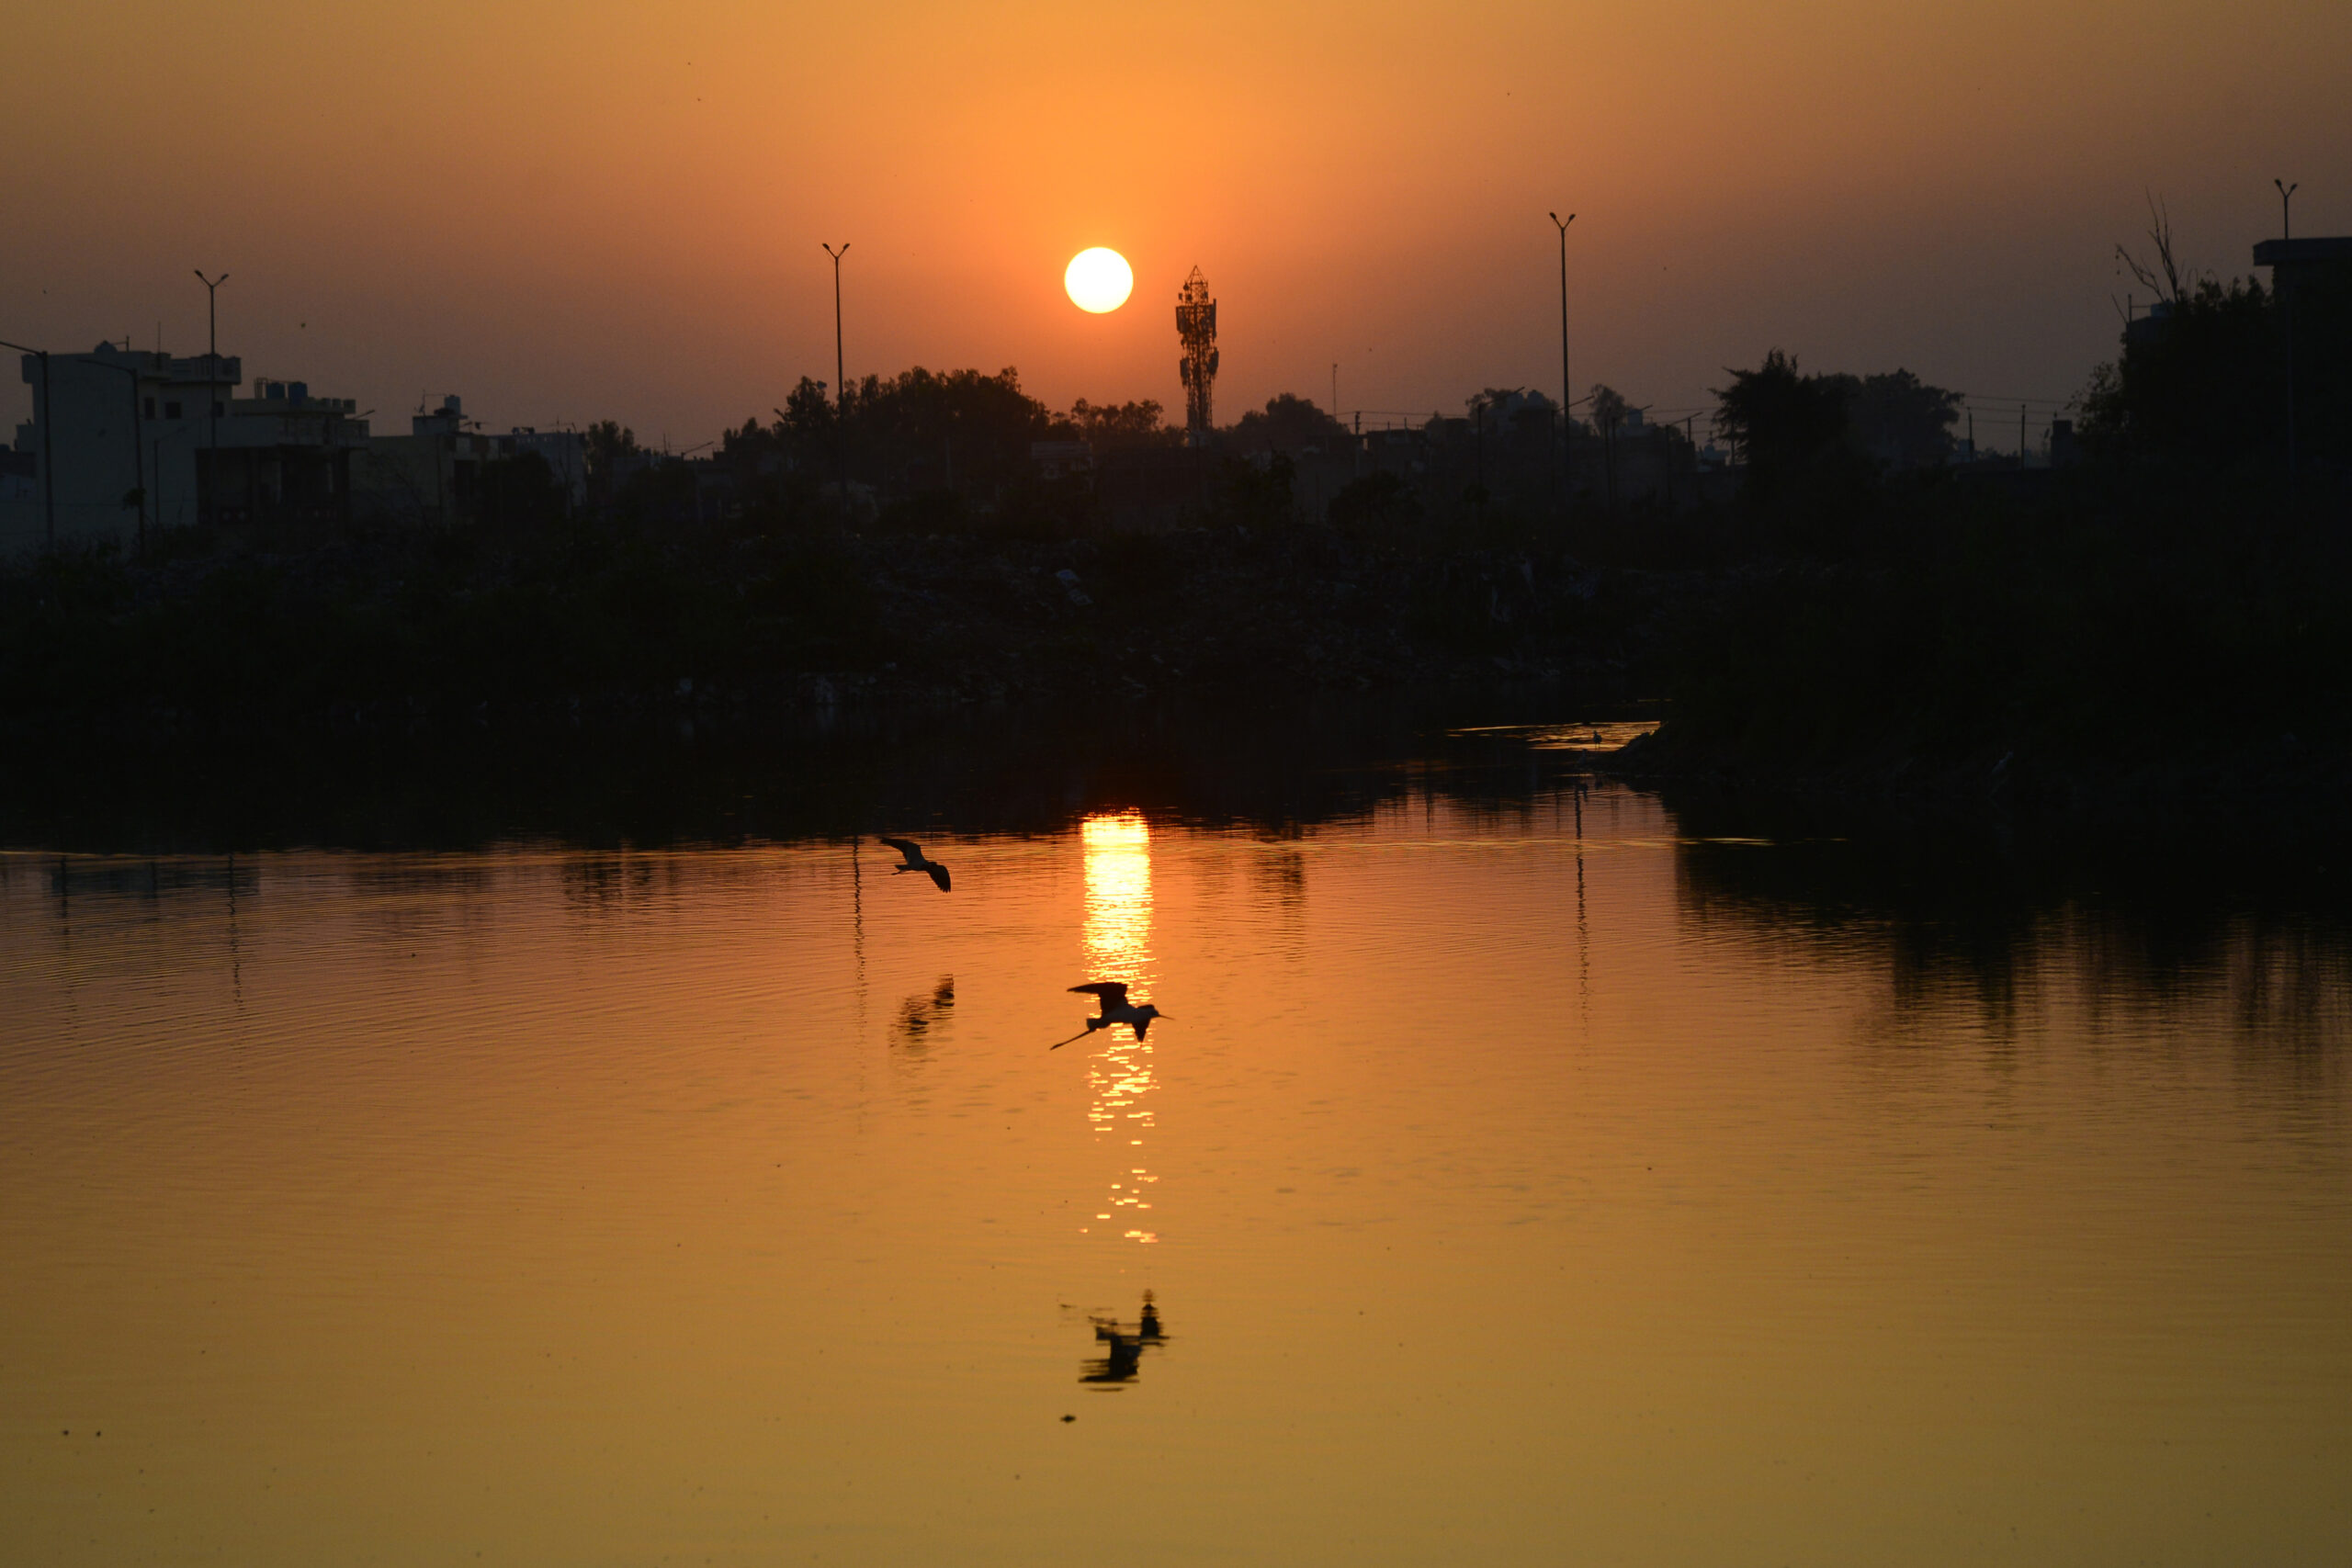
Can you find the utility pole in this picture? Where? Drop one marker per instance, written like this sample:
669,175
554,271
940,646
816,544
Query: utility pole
1479,457
2286,317
212,371
138,442
841,383
2020,438
48,467
1567,396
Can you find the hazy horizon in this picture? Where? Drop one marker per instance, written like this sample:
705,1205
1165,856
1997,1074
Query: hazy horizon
573,213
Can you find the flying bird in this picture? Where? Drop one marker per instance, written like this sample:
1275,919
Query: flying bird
915,861
1116,1009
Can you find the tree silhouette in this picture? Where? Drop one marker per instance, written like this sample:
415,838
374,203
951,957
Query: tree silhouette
1117,426
1289,423
1783,423
1899,420
609,448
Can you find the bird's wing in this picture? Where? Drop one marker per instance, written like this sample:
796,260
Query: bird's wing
938,874
906,847
1112,992
1142,1024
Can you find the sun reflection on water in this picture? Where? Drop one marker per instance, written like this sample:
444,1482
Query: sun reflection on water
1116,943
1118,895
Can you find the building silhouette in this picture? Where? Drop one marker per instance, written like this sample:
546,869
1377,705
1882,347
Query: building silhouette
144,442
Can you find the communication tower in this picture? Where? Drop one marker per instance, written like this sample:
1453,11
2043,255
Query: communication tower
1197,329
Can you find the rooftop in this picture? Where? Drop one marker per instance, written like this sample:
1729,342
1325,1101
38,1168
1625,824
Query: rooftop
2271,252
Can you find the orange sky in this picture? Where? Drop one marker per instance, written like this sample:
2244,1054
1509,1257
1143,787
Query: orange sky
568,211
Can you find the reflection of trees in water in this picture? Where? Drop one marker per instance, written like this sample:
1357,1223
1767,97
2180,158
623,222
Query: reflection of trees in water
603,883
1269,763
1278,874
926,1011
149,879
1122,1347
2133,922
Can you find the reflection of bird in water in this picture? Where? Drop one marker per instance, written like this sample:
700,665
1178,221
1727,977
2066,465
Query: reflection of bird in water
1116,1009
1124,1357
919,1012
915,861
1118,1364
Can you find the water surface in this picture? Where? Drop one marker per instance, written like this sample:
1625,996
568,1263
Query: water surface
1524,1173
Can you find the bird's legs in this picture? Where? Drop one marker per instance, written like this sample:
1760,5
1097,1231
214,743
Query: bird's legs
1092,1025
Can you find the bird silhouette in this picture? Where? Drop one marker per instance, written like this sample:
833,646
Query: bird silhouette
915,860
1116,1009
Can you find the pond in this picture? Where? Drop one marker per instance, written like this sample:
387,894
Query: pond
1528,1167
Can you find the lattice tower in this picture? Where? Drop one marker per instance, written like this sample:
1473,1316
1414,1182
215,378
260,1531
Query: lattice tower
1196,328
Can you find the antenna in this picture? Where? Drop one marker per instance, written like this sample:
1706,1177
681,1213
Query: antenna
1197,329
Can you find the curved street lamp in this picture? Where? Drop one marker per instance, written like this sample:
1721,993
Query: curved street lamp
840,384
212,366
1567,395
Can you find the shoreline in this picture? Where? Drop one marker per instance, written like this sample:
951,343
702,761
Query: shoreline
2303,784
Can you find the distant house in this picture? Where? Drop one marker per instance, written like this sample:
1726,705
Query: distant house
283,456
430,475
565,452
1401,450
434,474
1061,459
20,469
2300,267
2143,329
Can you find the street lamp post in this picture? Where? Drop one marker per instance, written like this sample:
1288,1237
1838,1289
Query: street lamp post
841,382
48,468
213,370
1567,396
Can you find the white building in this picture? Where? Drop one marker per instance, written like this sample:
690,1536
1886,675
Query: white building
126,441
142,441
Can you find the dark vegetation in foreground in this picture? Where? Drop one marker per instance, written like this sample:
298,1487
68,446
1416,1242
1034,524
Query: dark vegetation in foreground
1279,766
2170,617
2168,613
2175,631
732,623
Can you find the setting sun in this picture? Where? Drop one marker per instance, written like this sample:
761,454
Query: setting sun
1099,279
